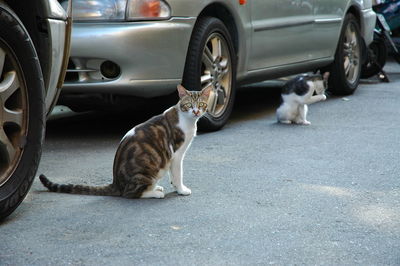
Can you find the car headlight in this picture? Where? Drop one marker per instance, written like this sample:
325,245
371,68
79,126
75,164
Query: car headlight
147,9
118,10
98,9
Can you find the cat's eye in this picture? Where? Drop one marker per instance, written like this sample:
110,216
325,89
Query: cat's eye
201,104
188,105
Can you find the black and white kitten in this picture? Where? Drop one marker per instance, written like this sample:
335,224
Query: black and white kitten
297,94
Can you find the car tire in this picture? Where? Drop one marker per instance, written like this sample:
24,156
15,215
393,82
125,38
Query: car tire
346,68
211,59
22,111
378,52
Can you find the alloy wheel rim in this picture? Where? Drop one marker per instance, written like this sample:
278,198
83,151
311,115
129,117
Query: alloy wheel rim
351,55
13,114
216,70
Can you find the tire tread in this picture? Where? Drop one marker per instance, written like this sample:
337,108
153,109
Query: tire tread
9,201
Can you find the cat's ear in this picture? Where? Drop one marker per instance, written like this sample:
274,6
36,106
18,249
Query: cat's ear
207,90
326,76
182,91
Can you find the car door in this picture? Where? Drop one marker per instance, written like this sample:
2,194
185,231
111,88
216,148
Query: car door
282,31
328,20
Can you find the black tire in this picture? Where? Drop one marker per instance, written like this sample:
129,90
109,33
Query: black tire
396,57
21,136
390,48
378,52
205,30
340,82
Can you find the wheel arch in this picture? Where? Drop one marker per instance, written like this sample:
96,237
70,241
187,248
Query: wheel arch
356,12
223,13
32,14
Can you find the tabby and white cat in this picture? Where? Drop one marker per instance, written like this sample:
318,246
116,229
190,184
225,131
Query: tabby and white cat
297,93
150,150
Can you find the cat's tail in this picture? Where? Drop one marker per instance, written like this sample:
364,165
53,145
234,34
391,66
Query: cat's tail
108,190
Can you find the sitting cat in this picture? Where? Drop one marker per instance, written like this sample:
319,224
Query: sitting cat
299,92
149,150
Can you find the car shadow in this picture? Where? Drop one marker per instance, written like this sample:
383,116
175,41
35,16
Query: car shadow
65,122
256,101
252,102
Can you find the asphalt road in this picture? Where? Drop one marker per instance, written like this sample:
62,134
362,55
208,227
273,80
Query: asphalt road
262,193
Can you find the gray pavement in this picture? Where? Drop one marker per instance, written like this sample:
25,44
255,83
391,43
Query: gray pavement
263,193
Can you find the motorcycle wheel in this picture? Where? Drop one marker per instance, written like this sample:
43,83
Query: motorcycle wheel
378,53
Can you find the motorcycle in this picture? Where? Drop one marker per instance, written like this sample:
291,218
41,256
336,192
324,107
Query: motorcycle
388,20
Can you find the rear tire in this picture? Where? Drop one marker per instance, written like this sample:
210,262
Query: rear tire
346,68
22,112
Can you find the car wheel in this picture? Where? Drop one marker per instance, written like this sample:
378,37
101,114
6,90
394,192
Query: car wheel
378,52
211,60
21,111
346,68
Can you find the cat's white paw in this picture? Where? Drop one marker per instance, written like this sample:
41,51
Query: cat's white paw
285,121
159,188
153,194
307,123
323,96
159,194
184,191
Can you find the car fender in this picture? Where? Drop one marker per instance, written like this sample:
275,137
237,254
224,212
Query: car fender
60,25
45,21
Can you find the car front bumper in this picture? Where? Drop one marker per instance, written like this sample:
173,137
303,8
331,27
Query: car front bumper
58,24
145,59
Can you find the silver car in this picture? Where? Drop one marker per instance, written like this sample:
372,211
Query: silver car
145,48
34,46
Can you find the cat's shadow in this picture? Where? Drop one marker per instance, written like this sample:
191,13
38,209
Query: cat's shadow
168,195
97,124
